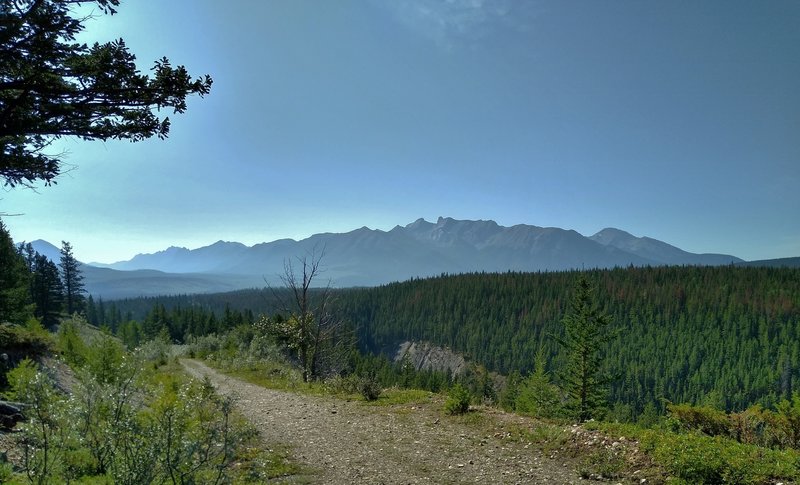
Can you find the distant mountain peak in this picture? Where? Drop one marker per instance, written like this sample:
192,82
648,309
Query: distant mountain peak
50,251
607,235
658,251
365,257
227,243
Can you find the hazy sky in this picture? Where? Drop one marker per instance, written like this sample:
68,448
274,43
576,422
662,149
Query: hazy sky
676,120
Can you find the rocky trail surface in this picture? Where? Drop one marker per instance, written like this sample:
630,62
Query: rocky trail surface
342,442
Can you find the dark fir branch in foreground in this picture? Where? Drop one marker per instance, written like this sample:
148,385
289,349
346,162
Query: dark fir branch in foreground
52,86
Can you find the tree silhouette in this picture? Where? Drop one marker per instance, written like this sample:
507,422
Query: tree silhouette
71,278
14,281
51,86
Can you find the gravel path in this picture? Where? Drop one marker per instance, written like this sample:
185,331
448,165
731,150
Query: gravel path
345,442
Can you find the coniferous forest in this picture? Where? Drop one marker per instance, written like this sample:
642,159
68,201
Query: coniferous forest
722,336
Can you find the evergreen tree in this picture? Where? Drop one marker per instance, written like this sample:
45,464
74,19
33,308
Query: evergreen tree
71,279
46,290
537,395
91,312
585,333
52,86
14,277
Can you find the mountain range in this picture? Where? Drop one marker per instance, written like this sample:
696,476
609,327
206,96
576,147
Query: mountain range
367,257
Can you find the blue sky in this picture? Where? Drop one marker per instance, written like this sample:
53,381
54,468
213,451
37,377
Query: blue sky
677,120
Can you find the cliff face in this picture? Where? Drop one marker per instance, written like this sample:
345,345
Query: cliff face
425,356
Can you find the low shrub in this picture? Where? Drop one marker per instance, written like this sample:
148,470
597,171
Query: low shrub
457,400
124,424
708,420
29,339
369,387
203,347
697,458
70,344
342,384
756,426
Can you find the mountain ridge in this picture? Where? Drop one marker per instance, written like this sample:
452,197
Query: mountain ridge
370,257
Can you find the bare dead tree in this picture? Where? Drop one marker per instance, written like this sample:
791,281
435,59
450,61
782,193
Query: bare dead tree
320,338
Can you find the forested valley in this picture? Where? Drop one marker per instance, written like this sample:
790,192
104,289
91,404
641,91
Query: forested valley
726,337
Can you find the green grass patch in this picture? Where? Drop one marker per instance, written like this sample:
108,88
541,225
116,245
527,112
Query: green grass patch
475,419
285,378
396,396
276,377
547,436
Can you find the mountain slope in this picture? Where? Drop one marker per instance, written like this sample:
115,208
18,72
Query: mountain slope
114,284
368,257
655,250
211,258
46,249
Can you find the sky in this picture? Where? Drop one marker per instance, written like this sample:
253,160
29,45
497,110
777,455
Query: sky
675,120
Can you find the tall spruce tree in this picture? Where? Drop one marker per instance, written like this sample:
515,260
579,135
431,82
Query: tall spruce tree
46,290
71,279
14,278
586,331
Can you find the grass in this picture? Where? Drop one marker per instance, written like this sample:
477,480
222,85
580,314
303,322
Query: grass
396,396
547,436
272,376
474,418
284,378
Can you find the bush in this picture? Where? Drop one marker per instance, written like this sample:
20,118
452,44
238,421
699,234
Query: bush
369,387
342,384
708,420
40,438
155,351
697,458
70,344
124,426
788,420
538,397
457,400
757,426
30,339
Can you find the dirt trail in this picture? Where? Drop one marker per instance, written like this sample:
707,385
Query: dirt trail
351,442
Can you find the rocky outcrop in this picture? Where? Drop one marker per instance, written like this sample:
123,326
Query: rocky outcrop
426,356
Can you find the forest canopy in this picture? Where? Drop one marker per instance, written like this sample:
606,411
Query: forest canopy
725,336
